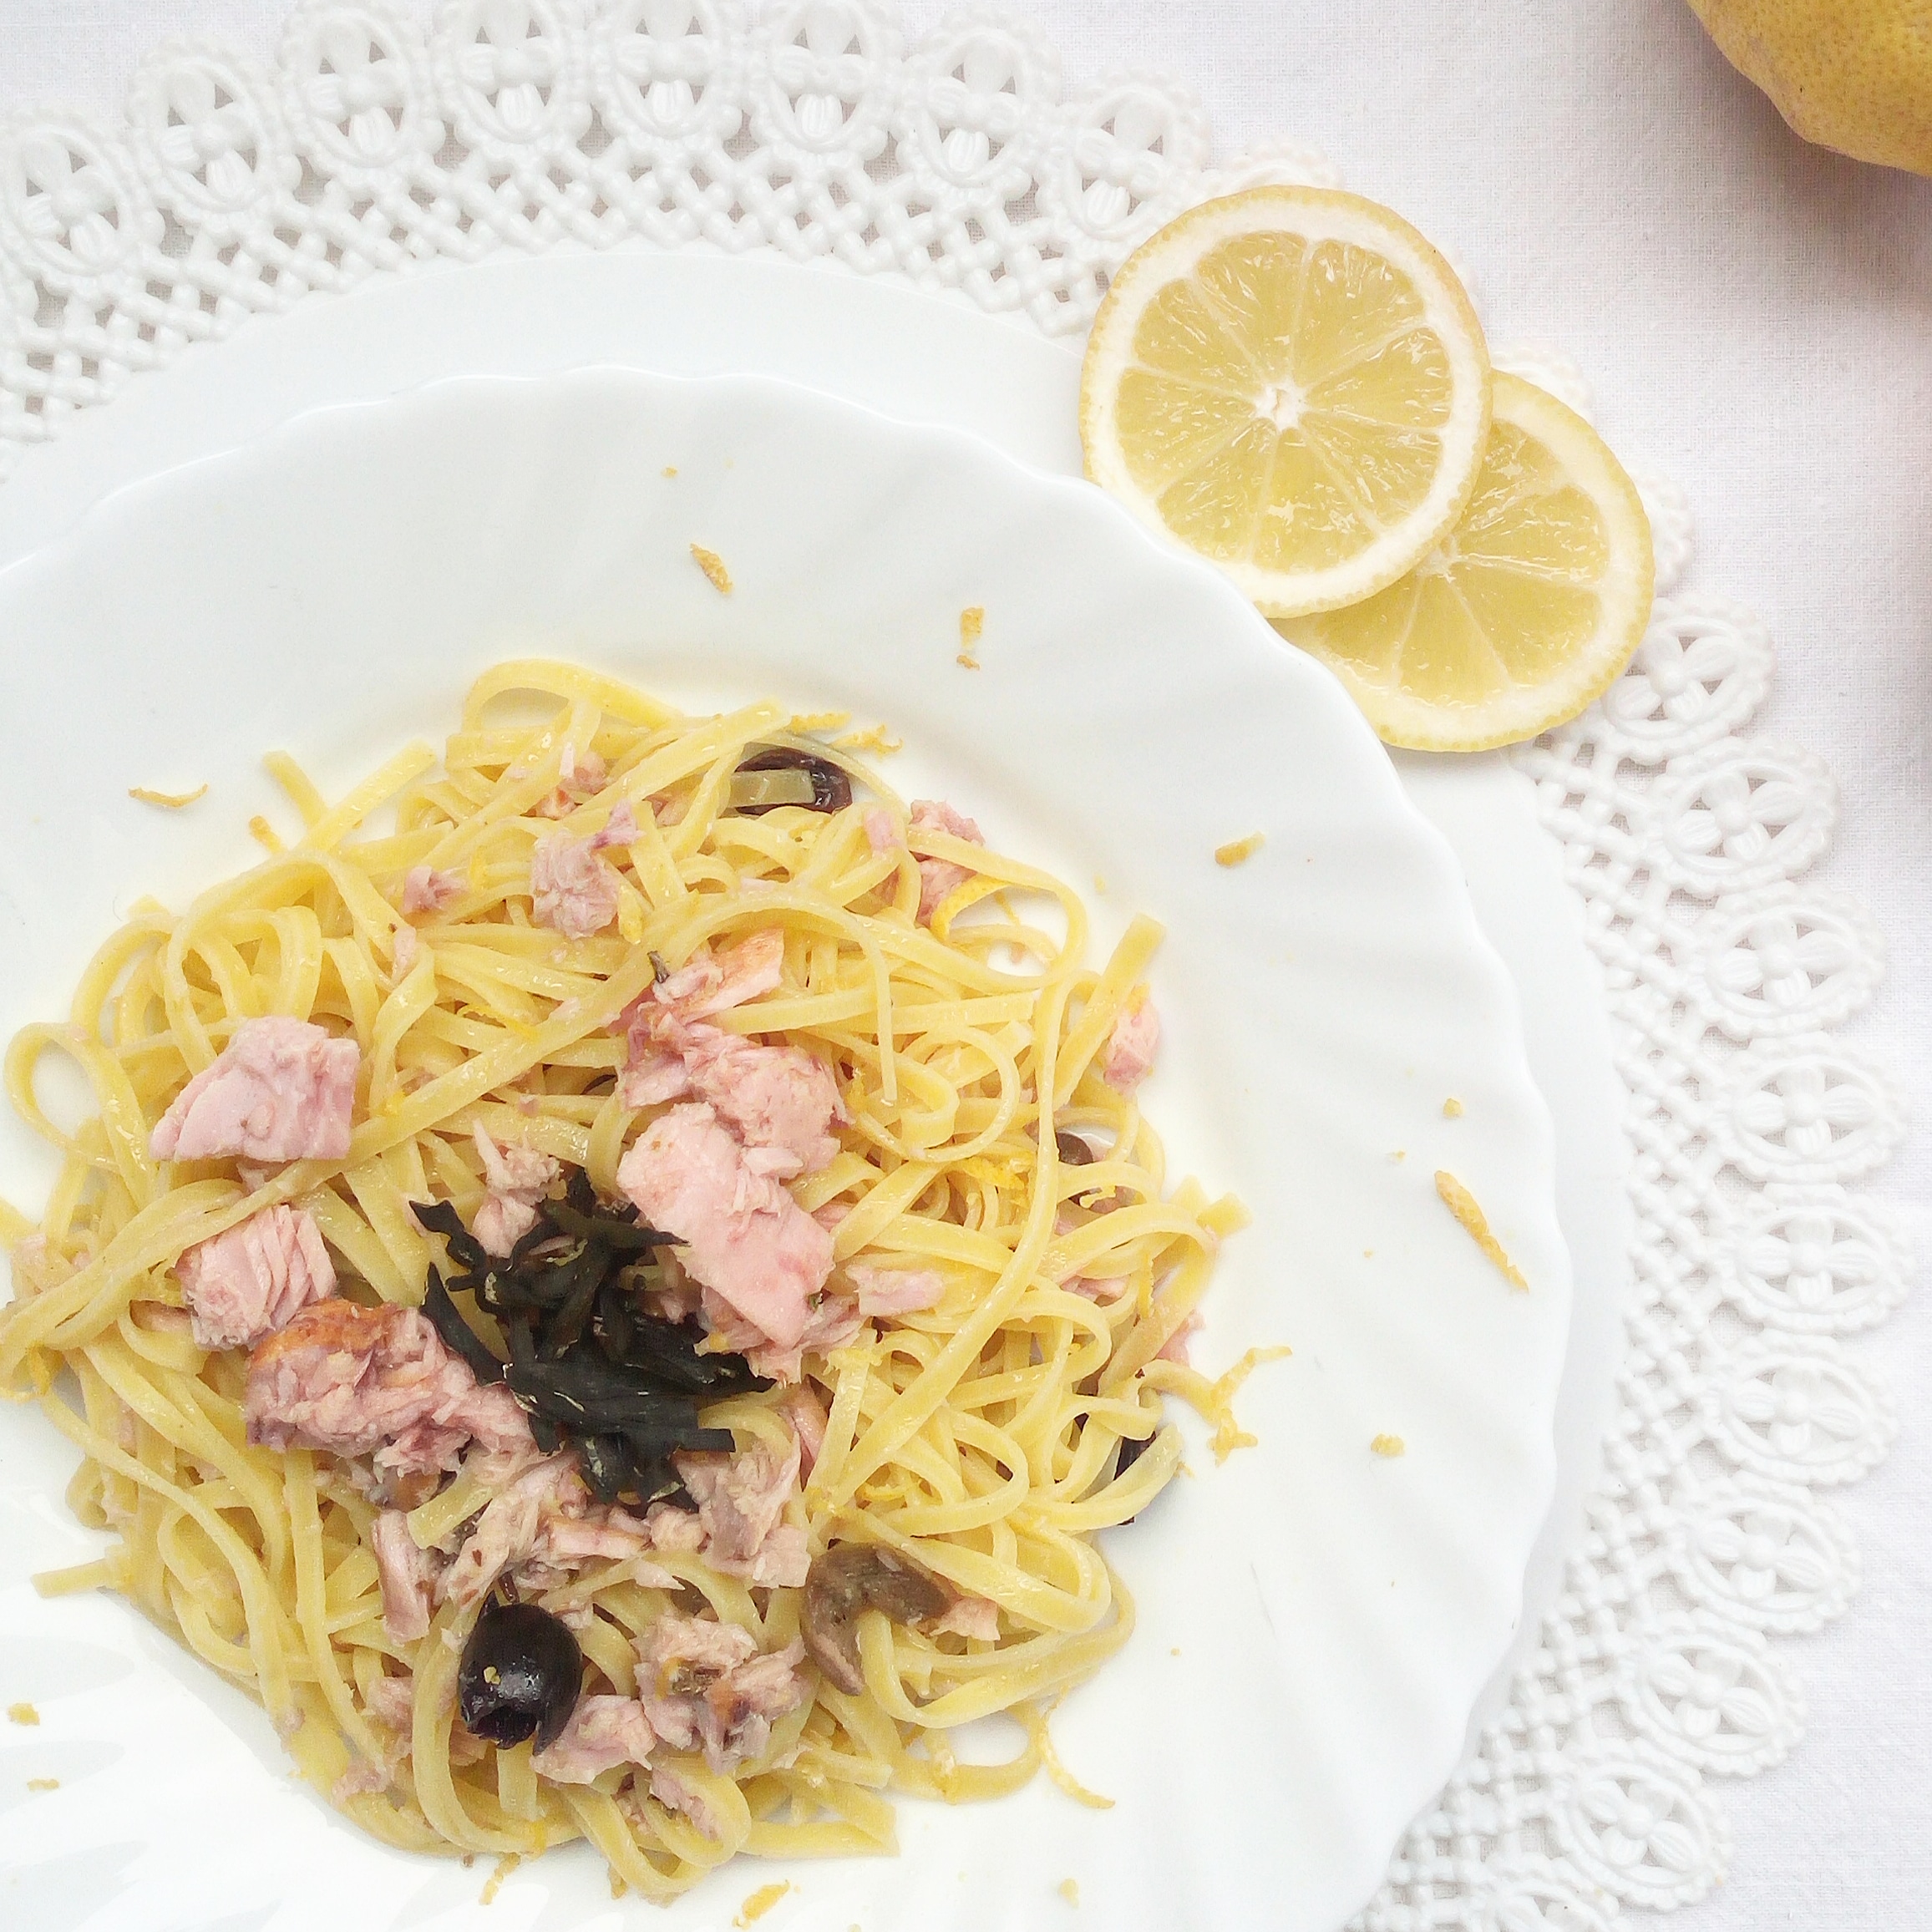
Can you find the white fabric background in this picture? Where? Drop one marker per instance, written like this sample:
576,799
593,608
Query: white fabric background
1756,317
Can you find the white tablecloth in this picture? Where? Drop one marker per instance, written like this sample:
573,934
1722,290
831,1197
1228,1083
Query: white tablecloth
1755,318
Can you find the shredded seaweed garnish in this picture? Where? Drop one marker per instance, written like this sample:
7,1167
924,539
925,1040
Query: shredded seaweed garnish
588,1365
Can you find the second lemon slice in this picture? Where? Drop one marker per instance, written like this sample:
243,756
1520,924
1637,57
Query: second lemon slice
1524,613
1292,383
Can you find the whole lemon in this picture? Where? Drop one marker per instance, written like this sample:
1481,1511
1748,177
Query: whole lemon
1855,75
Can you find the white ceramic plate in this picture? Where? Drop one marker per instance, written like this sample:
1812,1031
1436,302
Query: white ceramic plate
1315,1622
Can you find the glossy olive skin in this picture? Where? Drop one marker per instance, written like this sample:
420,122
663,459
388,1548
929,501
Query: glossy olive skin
831,787
521,1674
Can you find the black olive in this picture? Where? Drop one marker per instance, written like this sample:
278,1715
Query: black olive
521,1674
829,789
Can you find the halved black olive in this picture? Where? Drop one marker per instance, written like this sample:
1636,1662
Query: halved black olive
764,781
1076,1150
519,1676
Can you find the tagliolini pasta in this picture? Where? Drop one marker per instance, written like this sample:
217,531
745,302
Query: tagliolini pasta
983,1439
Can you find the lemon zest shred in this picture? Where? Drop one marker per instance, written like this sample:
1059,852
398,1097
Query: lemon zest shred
712,565
493,1883
1237,851
761,1902
1461,1203
168,801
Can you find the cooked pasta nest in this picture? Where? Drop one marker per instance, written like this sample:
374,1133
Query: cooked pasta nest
988,1438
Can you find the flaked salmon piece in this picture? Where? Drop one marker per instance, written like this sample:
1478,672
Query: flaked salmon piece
970,1616
674,1529
393,1701
407,1576
603,1731
745,1238
251,1280
1131,1046
885,1290
741,1504
711,983
939,879
579,775
830,1322
620,828
405,949
508,1532
282,1089
572,889
803,1407
517,1178
359,1381
781,1102
704,1684
677,1792
426,889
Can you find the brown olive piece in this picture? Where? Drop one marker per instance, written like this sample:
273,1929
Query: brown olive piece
519,1676
853,1577
1073,1151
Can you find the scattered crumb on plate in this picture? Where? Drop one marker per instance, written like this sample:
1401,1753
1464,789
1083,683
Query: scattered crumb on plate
264,834
1400,1153
1070,1890
972,621
761,1902
805,722
22,1714
43,1784
1237,850
168,801
670,469
1388,1445
1461,1203
712,565
873,737
1452,1108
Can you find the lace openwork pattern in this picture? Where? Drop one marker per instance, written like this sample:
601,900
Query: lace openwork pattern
962,163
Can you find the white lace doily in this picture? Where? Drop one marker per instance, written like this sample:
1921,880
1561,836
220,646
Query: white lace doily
961,163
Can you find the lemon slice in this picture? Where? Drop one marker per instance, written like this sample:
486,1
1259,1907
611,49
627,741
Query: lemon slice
1525,613
1292,383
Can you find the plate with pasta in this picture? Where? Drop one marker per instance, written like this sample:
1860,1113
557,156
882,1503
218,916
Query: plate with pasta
750,1170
